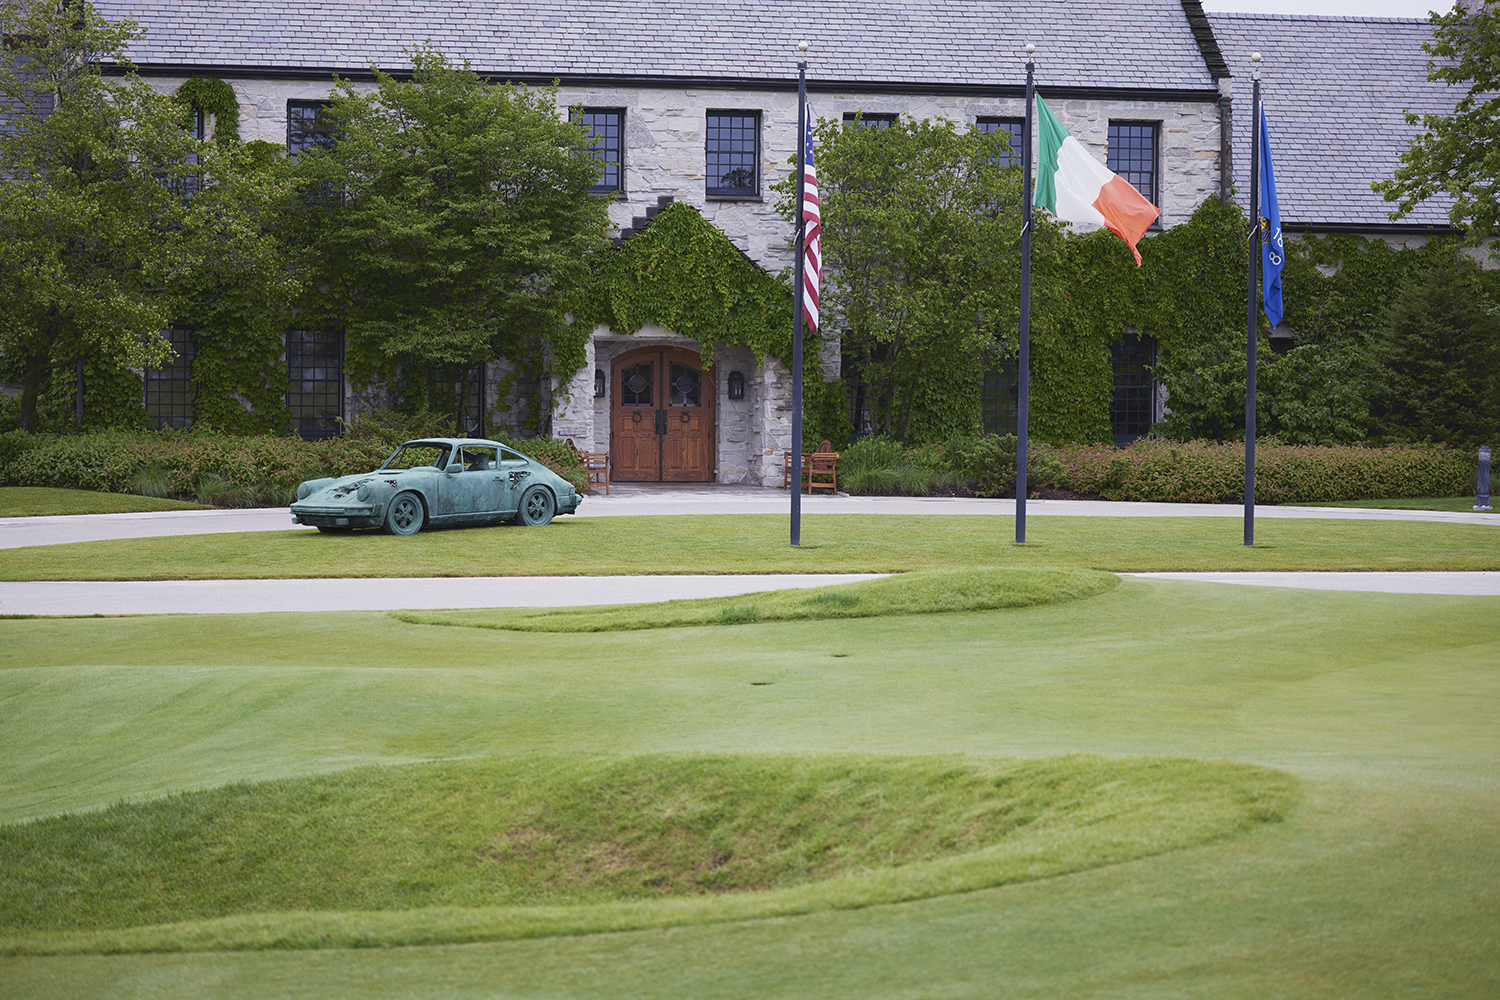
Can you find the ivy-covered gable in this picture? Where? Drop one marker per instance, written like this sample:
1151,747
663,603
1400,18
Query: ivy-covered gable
682,273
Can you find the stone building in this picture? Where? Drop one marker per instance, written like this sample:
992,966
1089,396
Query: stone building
698,104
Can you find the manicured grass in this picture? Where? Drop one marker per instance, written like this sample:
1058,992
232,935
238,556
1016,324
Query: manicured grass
1461,504
754,543
44,501
1381,882
923,592
528,839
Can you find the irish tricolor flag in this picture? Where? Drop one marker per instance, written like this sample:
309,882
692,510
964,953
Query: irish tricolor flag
1075,187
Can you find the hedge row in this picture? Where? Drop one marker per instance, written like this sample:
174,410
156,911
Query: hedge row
1214,472
222,470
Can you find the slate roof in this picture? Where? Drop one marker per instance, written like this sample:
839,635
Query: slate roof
917,44
1334,90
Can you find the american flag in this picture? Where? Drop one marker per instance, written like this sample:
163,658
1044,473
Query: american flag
812,264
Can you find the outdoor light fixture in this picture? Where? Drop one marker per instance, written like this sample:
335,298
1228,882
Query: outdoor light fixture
736,385
598,383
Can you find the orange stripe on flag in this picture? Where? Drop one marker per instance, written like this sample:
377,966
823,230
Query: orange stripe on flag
1127,213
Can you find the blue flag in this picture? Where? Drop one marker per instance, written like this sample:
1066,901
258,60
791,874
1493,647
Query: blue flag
1273,252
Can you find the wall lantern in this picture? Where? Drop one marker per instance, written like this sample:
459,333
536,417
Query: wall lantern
736,385
598,383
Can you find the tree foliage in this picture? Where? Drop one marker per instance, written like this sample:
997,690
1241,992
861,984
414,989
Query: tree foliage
921,249
1459,154
450,222
107,201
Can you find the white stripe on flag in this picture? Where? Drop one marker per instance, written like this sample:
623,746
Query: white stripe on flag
812,264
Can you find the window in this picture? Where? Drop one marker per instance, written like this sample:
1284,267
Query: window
1012,125
999,406
307,125
1132,410
732,153
315,394
1132,155
170,390
607,126
865,120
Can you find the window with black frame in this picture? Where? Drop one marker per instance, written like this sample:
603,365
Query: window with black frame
315,391
171,393
308,126
999,406
1133,155
863,119
731,154
1011,156
1132,409
607,126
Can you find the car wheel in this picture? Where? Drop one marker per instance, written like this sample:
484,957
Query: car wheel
334,530
537,507
405,515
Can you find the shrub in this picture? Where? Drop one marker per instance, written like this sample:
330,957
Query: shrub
989,463
1214,472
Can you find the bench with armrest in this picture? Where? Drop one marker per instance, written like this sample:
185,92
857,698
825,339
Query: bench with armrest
596,464
819,469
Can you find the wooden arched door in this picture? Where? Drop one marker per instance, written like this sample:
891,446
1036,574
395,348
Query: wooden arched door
661,419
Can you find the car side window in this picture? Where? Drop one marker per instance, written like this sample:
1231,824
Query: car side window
479,459
509,457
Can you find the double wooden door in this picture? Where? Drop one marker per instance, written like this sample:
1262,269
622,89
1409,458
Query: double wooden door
661,421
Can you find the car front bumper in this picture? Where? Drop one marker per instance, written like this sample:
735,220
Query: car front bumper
352,516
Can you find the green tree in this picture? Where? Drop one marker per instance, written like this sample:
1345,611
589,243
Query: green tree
451,223
1459,154
1433,368
107,201
921,249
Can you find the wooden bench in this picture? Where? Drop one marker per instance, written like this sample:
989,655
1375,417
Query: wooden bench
596,464
819,469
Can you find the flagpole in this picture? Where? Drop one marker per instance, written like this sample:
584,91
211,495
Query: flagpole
797,293
1253,321
1023,365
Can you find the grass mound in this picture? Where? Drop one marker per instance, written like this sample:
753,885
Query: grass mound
47,501
483,849
927,592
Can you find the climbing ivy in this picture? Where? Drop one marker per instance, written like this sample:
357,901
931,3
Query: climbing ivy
213,96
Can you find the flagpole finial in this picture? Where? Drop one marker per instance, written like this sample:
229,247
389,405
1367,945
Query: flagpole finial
1255,65
1030,48
802,46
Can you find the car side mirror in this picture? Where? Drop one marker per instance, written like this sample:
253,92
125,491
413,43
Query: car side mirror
455,468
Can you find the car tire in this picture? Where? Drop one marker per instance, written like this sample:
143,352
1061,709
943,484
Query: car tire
537,507
405,515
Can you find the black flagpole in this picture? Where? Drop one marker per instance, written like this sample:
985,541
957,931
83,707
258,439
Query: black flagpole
1253,322
1023,389
797,293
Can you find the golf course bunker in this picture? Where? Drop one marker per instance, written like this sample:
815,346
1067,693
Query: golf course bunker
918,593
487,849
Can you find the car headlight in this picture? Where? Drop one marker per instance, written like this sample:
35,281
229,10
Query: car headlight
304,490
364,491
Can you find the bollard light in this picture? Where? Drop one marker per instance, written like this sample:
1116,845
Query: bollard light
1482,502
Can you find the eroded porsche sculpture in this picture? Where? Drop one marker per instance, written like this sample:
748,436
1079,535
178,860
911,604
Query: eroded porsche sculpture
438,481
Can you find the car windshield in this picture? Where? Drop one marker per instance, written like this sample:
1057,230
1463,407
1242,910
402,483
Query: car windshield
411,456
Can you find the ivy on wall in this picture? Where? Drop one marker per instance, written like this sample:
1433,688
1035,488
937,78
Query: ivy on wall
213,96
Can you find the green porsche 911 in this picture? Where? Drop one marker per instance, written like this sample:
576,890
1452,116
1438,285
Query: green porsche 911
438,481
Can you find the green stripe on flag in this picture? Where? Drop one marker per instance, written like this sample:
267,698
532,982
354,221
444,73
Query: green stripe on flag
1051,136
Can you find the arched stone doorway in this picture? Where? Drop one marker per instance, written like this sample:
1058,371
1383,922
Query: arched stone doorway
661,422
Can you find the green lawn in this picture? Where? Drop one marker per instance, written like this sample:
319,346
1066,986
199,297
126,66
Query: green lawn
44,501
757,543
1381,882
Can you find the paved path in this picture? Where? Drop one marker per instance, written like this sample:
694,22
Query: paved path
218,597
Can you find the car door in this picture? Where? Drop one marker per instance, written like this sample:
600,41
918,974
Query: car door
479,489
